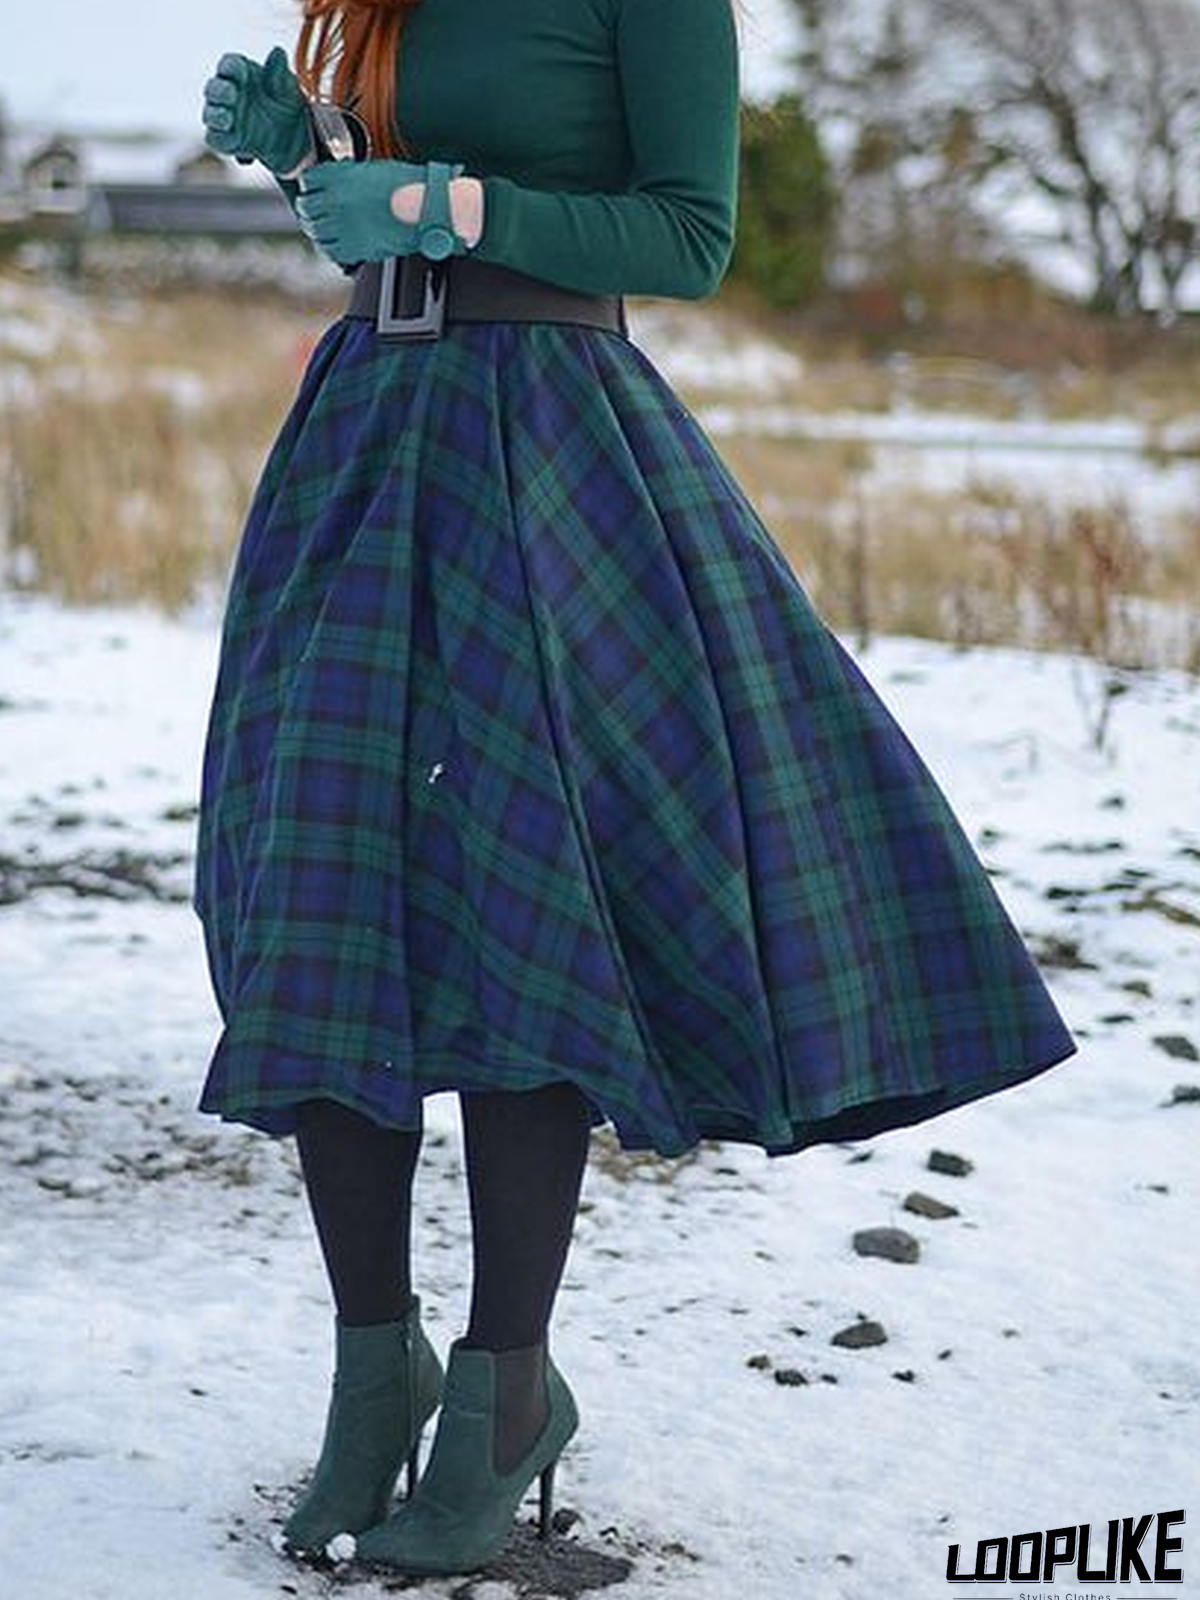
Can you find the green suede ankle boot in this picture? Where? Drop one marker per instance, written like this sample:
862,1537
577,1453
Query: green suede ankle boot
463,1508
386,1383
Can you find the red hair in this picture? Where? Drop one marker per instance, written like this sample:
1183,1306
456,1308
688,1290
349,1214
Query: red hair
348,50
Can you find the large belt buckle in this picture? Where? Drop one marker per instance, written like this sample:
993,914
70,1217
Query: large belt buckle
396,285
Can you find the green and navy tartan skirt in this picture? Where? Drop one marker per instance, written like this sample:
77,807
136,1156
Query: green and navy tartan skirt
529,759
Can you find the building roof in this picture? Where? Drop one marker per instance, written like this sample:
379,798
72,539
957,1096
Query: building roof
111,158
190,208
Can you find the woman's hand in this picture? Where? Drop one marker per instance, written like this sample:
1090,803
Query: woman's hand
466,207
258,112
345,207
369,210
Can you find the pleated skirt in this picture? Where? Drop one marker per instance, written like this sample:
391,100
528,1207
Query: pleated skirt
529,758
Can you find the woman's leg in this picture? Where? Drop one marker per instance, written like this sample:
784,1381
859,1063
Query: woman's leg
526,1153
359,1179
507,1412
387,1378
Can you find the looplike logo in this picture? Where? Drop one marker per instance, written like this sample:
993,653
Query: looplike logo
1130,1553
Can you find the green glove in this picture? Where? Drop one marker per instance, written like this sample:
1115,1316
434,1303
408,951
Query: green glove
258,112
345,207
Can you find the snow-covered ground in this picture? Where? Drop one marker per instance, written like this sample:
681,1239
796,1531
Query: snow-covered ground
1065,463
164,1329
742,383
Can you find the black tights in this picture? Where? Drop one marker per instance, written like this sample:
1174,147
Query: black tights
525,1154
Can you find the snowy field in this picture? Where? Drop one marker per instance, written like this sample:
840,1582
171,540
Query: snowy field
165,1335
739,382
743,384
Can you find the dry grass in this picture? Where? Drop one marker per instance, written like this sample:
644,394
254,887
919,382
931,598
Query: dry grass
983,565
1021,340
132,431
97,499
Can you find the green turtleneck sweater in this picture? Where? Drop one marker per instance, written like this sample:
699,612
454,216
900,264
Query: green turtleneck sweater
604,132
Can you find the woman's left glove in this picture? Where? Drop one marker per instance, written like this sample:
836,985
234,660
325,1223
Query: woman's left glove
345,207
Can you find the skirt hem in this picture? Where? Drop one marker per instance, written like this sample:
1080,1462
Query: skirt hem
274,1113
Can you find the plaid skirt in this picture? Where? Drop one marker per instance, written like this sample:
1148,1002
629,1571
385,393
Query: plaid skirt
529,759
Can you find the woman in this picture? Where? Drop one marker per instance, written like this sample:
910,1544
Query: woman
530,771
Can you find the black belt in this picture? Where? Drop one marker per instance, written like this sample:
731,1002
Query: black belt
408,297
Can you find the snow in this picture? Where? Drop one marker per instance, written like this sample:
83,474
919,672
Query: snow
719,353
167,1334
37,322
1068,463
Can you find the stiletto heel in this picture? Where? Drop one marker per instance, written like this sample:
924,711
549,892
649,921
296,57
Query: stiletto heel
546,1500
412,1467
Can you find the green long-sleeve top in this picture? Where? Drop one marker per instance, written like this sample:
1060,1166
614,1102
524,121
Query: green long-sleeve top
604,132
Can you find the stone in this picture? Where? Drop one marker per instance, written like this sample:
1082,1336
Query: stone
924,1205
1177,1045
1184,1094
860,1335
945,1161
893,1244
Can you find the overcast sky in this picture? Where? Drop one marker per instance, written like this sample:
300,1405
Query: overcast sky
124,63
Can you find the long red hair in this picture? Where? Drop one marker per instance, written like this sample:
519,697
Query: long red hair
348,51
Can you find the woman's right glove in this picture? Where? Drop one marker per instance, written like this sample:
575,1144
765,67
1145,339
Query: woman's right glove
258,113
345,207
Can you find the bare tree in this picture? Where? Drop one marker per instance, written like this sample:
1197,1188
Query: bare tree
907,176
1096,105
1091,107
